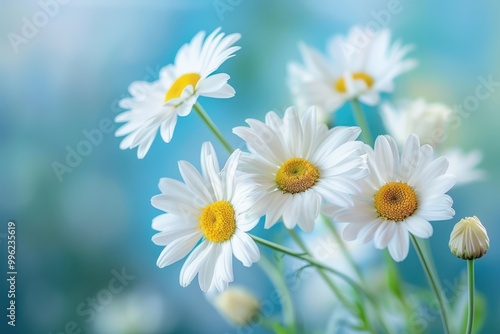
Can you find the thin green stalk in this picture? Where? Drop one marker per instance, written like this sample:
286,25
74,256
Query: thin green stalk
360,119
211,125
354,265
279,283
343,248
307,258
433,283
321,272
470,318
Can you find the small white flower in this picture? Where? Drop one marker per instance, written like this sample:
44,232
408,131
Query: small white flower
429,121
155,105
469,239
400,196
216,207
297,164
362,66
237,305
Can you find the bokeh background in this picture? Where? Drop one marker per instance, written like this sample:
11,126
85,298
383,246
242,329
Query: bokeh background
70,75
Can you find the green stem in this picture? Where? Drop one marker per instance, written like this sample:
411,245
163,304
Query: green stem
307,258
343,248
321,268
280,284
360,119
321,272
433,282
470,318
211,125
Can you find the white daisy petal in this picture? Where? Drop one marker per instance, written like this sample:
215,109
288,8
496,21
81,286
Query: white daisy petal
419,227
244,248
176,249
400,244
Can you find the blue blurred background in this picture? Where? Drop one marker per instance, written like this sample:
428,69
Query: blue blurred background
73,236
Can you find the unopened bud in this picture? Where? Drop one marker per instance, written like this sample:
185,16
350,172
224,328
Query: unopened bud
469,239
238,306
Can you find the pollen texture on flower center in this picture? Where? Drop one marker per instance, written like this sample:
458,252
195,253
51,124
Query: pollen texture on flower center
217,221
180,83
396,201
296,175
340,85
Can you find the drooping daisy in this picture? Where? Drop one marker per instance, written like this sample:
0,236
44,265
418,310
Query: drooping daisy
362,65
400,196
156,105
429,121
214,207
297,164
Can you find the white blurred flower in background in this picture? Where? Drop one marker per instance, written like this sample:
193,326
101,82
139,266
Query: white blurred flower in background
140,311
430,121
426,120
361,65
236,304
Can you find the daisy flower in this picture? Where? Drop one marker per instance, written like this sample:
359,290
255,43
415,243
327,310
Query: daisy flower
400,196
429,121
297,164
361,65
155,106
214,207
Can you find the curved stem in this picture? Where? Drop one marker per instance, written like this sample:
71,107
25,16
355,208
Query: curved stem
470,318
306,258
321,268
360,119
433,282
355,267
211,125
279,283
321,272
343,248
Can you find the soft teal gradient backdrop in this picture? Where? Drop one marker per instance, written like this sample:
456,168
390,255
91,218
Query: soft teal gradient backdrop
69,77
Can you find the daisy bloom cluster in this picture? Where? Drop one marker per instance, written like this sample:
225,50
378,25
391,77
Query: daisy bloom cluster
297,170
156,105
361,65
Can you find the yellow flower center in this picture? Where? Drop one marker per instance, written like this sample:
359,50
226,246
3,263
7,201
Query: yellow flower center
217,221
296,175
188,79
340,84
396,201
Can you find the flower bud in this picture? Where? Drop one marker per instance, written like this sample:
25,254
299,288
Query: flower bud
469,239
238,306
